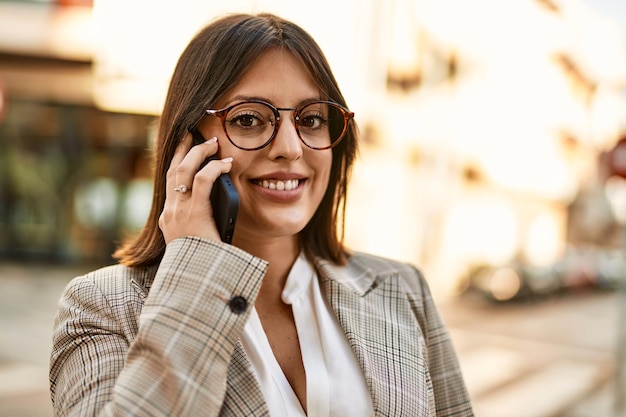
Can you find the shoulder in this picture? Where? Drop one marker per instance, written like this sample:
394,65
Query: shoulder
380,264
110,298
114,284
364,272
407,275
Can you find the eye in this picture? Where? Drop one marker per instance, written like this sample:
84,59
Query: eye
249,116
313,120
244,120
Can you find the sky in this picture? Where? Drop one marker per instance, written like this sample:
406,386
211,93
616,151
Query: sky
611,8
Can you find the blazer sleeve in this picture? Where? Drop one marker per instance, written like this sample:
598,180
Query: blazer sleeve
177,364
451,396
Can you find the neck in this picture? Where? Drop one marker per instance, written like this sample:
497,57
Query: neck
280,253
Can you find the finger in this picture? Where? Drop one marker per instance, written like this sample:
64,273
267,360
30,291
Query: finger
206,177
191,214
187,168
181,150
179,154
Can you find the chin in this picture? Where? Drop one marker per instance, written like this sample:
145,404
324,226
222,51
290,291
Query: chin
287,229
273,228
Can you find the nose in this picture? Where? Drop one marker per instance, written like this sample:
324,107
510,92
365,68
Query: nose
286,143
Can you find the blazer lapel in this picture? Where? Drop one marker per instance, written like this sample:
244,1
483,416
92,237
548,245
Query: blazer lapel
384,334
243,394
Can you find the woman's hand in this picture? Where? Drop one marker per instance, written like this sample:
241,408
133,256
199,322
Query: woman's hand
187,210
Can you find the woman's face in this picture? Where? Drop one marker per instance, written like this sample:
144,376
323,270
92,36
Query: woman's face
280,186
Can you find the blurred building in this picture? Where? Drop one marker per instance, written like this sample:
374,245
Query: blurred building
482,122
485,130
68,169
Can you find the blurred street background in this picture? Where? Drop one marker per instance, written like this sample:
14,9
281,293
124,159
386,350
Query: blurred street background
493,156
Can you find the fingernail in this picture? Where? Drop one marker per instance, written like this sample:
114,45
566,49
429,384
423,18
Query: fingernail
227,160
212,140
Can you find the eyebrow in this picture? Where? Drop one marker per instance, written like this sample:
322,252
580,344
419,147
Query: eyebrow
241,97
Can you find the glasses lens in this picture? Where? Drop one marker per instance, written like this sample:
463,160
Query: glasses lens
321,124
250,125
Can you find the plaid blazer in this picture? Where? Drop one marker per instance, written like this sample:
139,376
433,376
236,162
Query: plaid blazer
164,341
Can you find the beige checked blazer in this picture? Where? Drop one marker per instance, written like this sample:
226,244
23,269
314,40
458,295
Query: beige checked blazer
164,341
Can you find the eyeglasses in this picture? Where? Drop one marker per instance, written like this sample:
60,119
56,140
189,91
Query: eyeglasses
252,125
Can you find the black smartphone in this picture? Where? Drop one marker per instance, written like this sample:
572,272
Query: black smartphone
224,198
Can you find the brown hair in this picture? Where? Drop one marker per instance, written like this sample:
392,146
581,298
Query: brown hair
214,61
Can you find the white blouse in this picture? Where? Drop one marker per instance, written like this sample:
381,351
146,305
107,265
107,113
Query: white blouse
335,385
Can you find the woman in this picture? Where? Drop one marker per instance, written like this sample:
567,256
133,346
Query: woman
283,322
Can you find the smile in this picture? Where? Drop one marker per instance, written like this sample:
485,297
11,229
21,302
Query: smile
278,185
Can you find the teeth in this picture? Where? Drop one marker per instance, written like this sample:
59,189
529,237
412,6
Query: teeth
279,185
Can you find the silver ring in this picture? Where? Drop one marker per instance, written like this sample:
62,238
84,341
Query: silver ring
182,188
